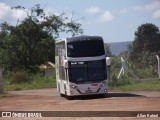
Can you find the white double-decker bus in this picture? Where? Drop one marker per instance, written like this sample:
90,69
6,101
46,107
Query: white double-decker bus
81,66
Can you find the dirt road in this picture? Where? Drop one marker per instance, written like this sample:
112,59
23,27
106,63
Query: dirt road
49,100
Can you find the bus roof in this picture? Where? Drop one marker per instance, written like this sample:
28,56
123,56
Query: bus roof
83,37
80,38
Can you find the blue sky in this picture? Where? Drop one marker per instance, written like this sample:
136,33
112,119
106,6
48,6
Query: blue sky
114,20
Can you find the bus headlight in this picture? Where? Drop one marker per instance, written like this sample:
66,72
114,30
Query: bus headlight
73,86
76,88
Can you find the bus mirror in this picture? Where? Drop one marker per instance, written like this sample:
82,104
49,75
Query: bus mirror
65,64
108,61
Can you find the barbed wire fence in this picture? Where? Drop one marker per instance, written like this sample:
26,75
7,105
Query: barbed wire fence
125,70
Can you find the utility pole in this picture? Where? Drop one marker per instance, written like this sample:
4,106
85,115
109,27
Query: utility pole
1,81
158,66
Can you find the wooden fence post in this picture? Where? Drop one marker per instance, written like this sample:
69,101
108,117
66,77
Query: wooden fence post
1,81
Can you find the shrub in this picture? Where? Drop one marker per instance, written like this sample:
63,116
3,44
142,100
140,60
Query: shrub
20,77
124,80
113,81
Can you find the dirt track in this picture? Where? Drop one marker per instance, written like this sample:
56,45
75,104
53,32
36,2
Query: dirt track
49,100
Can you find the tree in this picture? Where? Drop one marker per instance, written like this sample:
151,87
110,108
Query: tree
147,39
31,42
107,50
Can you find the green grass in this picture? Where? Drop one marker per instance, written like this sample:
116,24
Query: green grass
5,95
153,85
37,83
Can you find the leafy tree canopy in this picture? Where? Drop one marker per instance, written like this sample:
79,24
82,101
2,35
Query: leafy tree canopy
107,50
147,39
145,44
31,42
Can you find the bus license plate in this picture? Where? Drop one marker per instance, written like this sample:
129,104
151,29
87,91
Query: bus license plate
88,91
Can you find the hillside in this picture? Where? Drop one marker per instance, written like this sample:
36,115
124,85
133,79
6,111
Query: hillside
117,47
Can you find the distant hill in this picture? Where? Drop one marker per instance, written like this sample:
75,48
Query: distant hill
117,47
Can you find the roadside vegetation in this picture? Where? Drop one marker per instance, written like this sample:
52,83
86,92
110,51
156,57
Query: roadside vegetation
24,47
152,85
140,59
147,77
31,43
39,81
22,81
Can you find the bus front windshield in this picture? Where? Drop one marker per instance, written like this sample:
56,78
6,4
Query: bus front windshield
85,48
88,71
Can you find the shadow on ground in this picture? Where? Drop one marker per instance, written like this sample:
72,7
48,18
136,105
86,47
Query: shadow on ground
109,95
123,95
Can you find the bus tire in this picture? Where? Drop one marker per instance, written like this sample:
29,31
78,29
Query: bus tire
62,95
69,97
104,95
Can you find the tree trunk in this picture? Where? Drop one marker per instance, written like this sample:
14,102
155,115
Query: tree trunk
1,82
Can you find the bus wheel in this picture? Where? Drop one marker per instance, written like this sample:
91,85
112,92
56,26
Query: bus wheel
104,95
62,95
69,97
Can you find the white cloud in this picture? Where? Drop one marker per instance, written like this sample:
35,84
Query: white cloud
18,14
4,10
101,15
148,7
153,8
156,14
8,14
93,10
105,17
123,11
